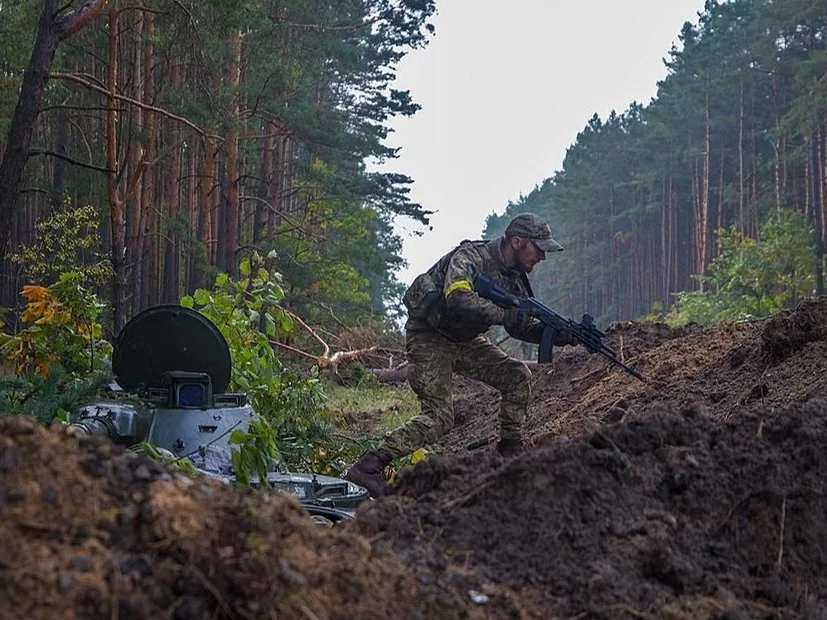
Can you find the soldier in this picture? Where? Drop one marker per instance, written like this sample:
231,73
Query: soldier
444,334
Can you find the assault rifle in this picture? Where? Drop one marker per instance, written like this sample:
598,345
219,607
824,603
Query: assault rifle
585,331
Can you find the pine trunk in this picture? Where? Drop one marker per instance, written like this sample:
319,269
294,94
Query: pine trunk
117,216
232,164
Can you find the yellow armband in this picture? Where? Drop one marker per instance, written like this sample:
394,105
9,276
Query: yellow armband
462,284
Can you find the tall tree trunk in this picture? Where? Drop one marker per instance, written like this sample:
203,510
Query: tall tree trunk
261,207
147,198
206,202
720,216
52,28
153,237
219,234
280,184
696,220
192,216
172,255
778,146
233,176
60,165
135,206
117,201
703,219
741,223
117,216
667,241
753,215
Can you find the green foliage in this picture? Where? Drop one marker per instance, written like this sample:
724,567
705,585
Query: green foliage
18,23
62,328
250,316
49,398
182,464
727,140
348,265
655,315
751,278
60,357
65,241
256,452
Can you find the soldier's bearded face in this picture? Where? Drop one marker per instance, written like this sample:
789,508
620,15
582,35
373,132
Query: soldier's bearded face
528,255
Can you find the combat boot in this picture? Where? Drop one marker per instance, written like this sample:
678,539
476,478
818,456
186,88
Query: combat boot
510,445
368,472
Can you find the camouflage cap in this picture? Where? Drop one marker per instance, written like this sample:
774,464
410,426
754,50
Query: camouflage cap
530,226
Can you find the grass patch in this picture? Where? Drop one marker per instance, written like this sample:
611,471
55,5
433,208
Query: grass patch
370,409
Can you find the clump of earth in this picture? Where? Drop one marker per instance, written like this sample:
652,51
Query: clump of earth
699,494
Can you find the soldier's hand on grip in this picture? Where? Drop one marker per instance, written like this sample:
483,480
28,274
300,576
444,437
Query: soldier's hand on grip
564,337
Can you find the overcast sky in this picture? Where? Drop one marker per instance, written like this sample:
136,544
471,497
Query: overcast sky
505,87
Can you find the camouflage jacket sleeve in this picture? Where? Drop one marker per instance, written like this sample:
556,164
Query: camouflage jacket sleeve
462,302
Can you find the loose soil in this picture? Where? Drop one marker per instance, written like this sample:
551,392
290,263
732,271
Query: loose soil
699,494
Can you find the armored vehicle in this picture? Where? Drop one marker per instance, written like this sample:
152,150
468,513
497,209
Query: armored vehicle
172,367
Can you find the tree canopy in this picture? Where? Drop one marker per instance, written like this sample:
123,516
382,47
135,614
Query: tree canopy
736,134
203,130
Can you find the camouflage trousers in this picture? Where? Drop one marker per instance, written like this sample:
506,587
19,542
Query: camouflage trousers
432,360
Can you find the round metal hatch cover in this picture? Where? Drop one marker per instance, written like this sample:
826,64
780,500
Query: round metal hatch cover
170,337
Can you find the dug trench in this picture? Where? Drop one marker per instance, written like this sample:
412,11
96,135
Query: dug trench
699,494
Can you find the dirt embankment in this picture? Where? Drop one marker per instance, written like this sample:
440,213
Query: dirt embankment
727,371
700,494
88,530
677,515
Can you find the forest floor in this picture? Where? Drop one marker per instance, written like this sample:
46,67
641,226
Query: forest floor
699,494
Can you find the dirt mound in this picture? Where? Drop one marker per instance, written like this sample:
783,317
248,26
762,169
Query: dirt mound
787,331
677,516
727,370
88,530
698,494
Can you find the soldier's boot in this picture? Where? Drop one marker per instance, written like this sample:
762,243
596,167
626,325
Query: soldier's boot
510,445
368,472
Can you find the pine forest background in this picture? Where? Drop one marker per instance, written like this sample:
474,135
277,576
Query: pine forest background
195,132
199,131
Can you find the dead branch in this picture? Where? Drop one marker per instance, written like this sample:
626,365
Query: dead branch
287,347
325,361
311,331
33,152
587,376
98,89
398,374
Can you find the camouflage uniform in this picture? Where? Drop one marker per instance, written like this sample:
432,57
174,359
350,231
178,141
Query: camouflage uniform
444,334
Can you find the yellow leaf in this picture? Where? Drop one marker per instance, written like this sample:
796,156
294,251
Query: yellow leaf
418,456
34,293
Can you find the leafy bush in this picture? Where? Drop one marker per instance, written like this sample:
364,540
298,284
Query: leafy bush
60,358
49,398
62,328
250,316
66,241
752,278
